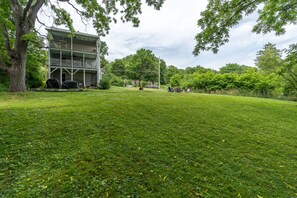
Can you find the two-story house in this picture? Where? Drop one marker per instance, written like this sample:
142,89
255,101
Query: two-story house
74,57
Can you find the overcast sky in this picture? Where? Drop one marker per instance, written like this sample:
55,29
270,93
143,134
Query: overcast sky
170,34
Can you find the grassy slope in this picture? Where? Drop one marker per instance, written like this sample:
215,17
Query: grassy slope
150,143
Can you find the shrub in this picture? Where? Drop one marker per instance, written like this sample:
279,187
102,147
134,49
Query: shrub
3,87
117,81
105,82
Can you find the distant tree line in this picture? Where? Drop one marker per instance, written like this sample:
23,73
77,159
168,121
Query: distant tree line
275,73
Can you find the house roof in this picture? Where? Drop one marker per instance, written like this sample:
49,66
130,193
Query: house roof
77,35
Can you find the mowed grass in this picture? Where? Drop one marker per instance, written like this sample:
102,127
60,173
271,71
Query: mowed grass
129,143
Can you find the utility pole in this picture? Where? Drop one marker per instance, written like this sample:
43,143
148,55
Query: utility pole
159,73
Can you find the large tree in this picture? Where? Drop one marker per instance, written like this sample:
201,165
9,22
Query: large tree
145,65
289,69
269,59
18,18
221,15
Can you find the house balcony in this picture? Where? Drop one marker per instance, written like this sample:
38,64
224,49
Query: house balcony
87,64
77,46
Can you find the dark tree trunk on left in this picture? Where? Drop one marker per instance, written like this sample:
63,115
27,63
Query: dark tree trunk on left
17,72
24,18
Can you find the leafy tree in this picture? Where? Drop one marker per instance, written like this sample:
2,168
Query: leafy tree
199,69
176,80
269,60
17,22
103,53
234,68
289,69
118,68
36,67
145,65
221,15
171,71
129,67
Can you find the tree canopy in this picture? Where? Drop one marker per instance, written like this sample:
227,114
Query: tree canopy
269,59
234,68
221,15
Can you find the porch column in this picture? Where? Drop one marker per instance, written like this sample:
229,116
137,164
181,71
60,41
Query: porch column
98,62
84,78
49,62
61,78
71,59
60,59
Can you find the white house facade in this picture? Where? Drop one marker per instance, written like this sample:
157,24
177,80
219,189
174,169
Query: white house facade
74,57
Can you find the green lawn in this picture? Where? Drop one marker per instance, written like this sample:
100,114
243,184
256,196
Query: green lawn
150,143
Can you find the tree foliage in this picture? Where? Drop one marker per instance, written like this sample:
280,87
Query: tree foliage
171,71
234,68
211,82
269,59
142,66
221,15
289,69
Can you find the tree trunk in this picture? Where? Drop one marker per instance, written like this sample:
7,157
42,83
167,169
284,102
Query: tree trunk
17,73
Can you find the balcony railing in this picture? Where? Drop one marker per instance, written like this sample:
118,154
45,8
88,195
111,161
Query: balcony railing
75,47
90,64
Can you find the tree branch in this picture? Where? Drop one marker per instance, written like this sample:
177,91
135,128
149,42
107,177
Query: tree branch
34,10
41,22
79,12
292,76
16,8
27,8
288,79
293,73
3,66
75,8
6,40
240,10
15,3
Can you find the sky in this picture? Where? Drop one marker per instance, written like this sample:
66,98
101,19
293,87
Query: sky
170,34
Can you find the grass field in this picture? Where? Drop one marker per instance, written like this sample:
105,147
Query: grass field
129,143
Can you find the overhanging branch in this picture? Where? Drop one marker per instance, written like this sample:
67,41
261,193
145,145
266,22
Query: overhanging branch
79,12
41,22
34,10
